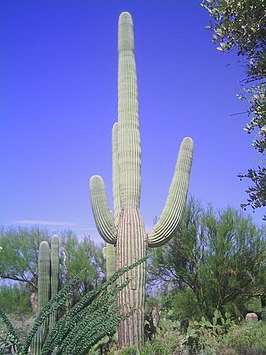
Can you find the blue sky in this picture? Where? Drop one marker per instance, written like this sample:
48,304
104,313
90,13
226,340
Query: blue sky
58,102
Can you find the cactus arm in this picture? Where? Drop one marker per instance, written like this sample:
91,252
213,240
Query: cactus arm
102,214
115,177
129,149
175,203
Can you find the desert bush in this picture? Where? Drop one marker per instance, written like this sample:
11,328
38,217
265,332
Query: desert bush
15,299
247,339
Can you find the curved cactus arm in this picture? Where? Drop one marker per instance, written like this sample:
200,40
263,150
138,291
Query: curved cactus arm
175,203
116,190
102,214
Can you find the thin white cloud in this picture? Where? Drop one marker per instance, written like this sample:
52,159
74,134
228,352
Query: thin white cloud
57,226
47,223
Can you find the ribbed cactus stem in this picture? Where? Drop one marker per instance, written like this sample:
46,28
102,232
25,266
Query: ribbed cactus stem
109,255
54,275
43,293
43,275
115,177
131,246
129,150
176,200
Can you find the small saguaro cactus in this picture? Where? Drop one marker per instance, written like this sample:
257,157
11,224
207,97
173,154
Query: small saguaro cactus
54,275
48,280
125,229
43,292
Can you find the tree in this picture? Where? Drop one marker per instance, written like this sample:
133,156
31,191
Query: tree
15,299
81,254
241,25
19,254
19,258
220,257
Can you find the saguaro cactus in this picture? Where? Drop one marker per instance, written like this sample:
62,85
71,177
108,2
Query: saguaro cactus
125,229
48,281
43,292
54,275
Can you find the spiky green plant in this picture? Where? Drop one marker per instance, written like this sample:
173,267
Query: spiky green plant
92,318
125,229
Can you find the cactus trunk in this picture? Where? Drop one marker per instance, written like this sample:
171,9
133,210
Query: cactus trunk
131,246
125,229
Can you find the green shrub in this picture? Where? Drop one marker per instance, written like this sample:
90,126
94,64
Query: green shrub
183,304
246,339
15,299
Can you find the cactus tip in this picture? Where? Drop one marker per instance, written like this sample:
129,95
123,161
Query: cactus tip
95,178
125,15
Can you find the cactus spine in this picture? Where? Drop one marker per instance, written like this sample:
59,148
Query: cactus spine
125,229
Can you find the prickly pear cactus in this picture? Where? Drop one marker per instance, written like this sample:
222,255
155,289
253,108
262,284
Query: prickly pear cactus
125,228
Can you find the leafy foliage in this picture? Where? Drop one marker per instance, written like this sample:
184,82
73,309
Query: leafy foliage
257,192
15,298
79,254
19,254
248,338
242,25
219,257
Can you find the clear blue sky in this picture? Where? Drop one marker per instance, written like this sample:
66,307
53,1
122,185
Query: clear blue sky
58,103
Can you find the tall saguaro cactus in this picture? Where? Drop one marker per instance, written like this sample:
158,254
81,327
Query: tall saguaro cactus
125,229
